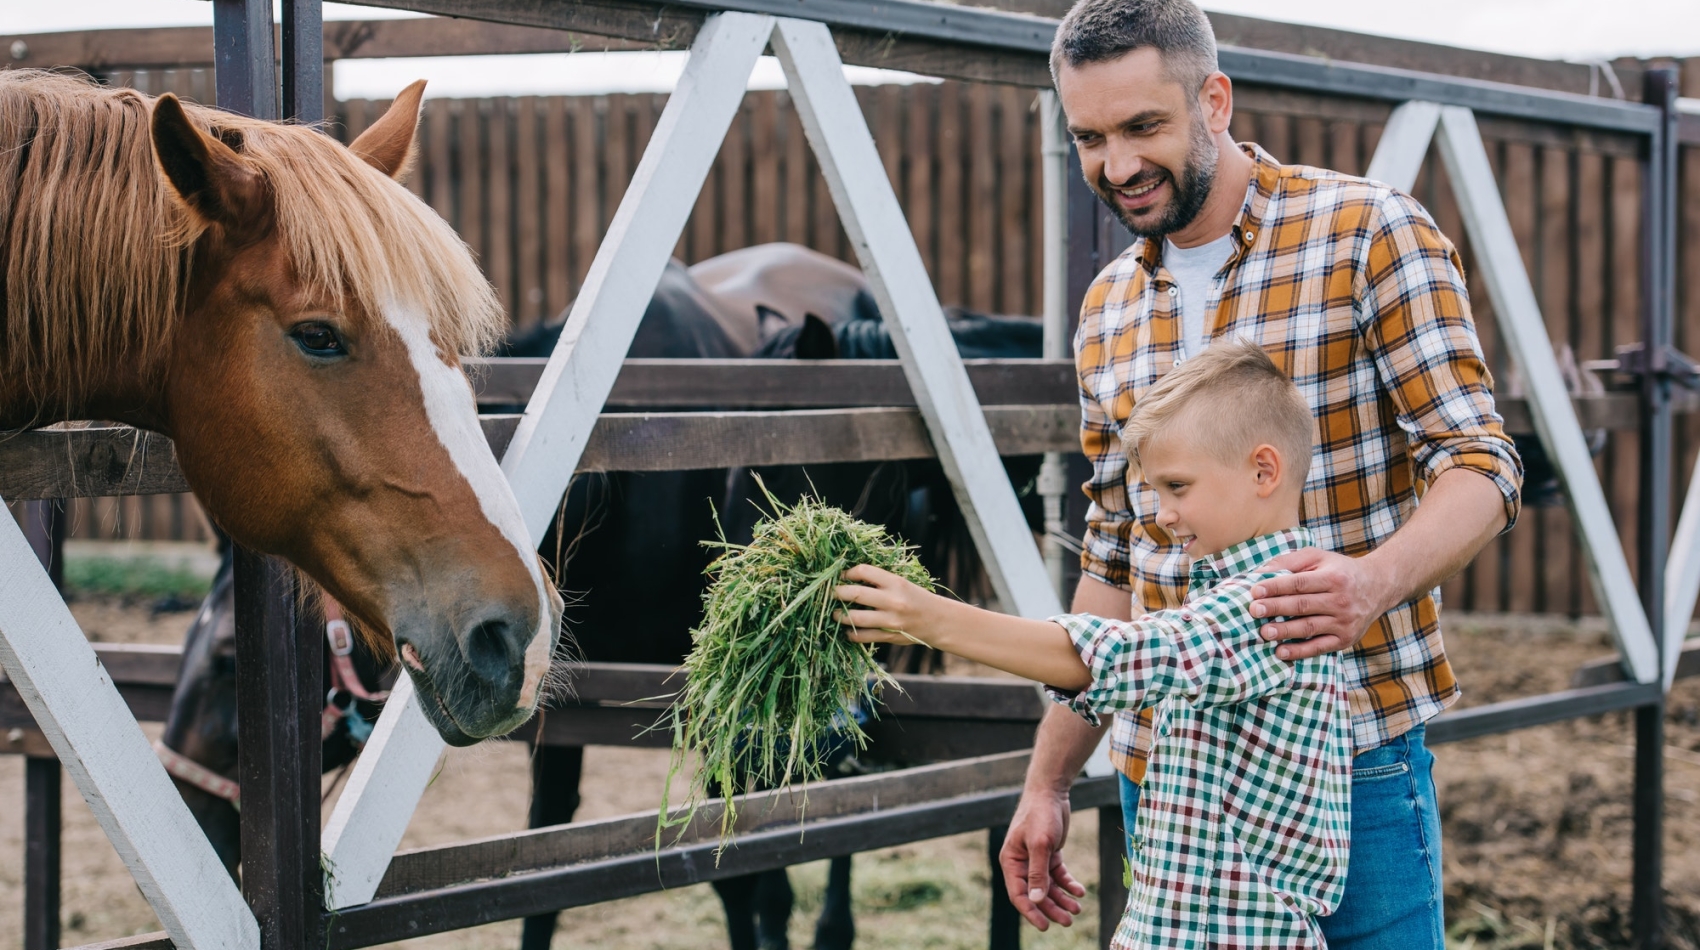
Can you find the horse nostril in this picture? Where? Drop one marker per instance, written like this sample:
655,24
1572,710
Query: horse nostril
487,650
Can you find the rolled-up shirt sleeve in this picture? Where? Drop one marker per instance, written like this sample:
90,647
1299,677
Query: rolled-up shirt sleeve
1415,317
1207,652
1106,550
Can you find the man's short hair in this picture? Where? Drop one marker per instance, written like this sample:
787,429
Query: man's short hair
1233,398
1096,31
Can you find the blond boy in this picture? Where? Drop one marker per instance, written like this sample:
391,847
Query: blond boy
1242,833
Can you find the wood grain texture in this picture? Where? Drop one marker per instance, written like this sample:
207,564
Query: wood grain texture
549,888
57,463
789,384
428,868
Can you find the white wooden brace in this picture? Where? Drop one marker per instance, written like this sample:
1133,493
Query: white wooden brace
390,777
1404,144
1682,578
1520,323
99,742
874,221
372,814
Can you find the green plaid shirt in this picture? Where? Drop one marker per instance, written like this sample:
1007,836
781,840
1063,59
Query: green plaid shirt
1244,822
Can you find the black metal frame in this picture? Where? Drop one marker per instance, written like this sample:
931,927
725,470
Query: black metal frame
44,528
279,773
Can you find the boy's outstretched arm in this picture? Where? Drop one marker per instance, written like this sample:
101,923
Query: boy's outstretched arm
893,610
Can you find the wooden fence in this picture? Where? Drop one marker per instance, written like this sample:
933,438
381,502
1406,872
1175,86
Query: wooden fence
531,184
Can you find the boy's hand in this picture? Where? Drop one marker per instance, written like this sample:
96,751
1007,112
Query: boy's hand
889,606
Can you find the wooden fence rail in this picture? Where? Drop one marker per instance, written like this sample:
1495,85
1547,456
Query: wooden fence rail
531,184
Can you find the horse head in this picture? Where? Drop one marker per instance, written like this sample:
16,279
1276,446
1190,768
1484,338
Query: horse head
293,318
318,406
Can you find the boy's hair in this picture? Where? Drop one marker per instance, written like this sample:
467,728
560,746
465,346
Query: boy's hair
1234,398
1096,31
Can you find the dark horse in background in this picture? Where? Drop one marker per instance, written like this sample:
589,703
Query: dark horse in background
628,545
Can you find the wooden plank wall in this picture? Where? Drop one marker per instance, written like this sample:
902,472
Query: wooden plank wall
531,184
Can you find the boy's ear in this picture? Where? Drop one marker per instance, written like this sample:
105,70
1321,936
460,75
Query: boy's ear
1266,460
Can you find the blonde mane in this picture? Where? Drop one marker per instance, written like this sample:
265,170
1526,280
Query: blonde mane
95,249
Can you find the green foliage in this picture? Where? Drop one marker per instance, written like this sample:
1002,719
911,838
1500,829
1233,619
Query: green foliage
771,674
905,895
142,577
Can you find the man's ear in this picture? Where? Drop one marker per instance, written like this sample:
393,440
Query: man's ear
387,144
1268,470
1217,100
216,184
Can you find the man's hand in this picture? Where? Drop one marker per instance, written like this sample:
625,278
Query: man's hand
1039,884
1330,600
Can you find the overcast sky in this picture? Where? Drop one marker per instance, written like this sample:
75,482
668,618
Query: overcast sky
1550,29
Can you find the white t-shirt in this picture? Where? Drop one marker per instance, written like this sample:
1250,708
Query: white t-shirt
1194,270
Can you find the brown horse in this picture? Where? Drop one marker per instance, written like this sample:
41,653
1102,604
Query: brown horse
292,318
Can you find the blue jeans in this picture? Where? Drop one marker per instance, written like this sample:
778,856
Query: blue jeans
1392,899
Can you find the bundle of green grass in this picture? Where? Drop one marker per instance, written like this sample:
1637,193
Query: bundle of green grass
772,681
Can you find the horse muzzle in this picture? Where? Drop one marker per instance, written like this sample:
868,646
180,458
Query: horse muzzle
482,679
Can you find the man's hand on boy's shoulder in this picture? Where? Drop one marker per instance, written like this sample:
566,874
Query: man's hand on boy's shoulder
1329,601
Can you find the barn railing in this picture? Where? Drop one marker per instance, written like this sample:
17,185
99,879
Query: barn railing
968,43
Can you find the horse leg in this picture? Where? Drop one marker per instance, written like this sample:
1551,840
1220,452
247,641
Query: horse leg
836,928
738,896
555,772
773,909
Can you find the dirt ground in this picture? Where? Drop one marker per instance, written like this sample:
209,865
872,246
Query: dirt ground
1537,829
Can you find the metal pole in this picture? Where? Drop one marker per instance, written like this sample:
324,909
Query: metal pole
279,659
1053,473
1005,920
279,698
1112,858
303,61
44,528
1658,278
244,70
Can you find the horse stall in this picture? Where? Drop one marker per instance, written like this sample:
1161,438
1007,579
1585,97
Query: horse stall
352,889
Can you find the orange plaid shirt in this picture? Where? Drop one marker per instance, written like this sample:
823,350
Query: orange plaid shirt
1358,297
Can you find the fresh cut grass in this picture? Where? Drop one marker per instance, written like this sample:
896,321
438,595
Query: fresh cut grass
772,682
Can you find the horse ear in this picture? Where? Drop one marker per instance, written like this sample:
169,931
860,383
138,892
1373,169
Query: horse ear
816,341
387,144
217,184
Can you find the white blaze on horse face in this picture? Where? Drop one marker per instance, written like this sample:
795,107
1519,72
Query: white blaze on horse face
453,412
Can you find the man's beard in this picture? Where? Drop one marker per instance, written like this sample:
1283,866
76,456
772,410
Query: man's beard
1190,192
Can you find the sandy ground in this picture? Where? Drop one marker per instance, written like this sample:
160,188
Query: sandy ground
1537,829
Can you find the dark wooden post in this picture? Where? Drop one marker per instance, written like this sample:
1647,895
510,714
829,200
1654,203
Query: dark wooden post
1005,919
303,60
1653,534
279,698
279,659
1112,852
44,528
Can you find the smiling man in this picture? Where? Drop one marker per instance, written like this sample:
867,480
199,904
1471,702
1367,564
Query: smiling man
1359,298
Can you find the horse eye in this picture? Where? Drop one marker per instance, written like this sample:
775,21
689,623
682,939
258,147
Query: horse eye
317,339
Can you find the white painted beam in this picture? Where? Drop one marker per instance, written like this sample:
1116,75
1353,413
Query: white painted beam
1520,323
886,248
1682,578
73,700
1404,144
392,773
384,788
575,384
